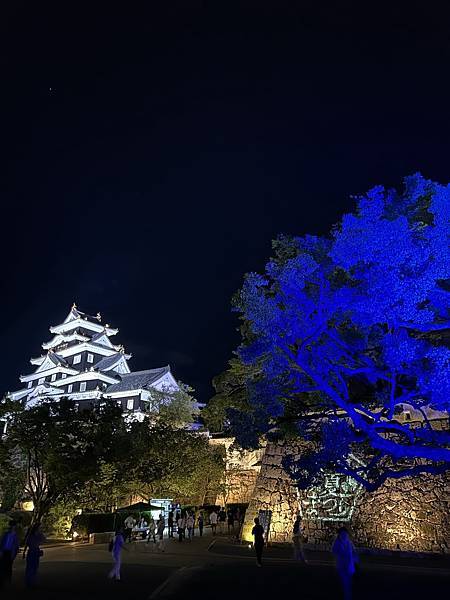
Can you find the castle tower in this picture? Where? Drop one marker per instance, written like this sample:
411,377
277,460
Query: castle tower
82,363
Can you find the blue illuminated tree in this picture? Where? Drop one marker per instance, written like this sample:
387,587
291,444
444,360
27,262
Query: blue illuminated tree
348,338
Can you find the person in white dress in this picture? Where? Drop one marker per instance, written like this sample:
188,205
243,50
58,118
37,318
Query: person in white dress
213,520
118,544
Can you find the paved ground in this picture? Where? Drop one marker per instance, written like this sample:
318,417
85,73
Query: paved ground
80,571
276,581
221,571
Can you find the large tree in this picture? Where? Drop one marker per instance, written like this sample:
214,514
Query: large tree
231,392
346,333
173,406
58,455
174,461
53,449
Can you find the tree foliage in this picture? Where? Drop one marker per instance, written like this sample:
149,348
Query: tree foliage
231,393
59,456
199,472
343,333
54,449
174,406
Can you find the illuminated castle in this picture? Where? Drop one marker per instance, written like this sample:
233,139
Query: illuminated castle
81,363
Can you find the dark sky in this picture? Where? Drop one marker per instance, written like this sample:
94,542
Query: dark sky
148,158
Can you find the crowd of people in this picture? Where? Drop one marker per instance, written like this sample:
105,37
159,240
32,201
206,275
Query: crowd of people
182,525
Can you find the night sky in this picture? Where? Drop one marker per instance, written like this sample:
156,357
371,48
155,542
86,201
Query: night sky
149,158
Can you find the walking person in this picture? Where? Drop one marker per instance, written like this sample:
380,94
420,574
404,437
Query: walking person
117,546
181,527
297,540
237,524
222,520
170,523
213,520
142,523
9,547
160,526
151,531
346,557
32,549
190,526
130,522
258,535
194,516
201,523
230,521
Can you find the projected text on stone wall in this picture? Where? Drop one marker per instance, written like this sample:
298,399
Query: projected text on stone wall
333,500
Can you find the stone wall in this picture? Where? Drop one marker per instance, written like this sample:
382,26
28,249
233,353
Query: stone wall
240,485
406,514
242,468
410,514
273,491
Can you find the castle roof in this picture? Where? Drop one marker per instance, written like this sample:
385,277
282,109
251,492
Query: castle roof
78,314
98,336
57,359
109,362
77,320
138,380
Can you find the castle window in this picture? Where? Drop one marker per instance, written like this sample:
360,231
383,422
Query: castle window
90,358
41,380
63,376
69,389
83,386
30,383
54,377
77,359
130,404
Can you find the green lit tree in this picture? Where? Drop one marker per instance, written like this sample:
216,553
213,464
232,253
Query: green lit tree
53,449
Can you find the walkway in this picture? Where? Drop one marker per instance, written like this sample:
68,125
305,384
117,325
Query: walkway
223,571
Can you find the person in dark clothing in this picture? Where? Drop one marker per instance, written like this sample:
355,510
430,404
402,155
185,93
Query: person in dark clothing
170,523
297,541
33,553
201,524
230,521
222,520
346,557
258,535
9,547
237,524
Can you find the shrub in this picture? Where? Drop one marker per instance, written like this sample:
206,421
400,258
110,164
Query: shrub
87,523
58,522
4,522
